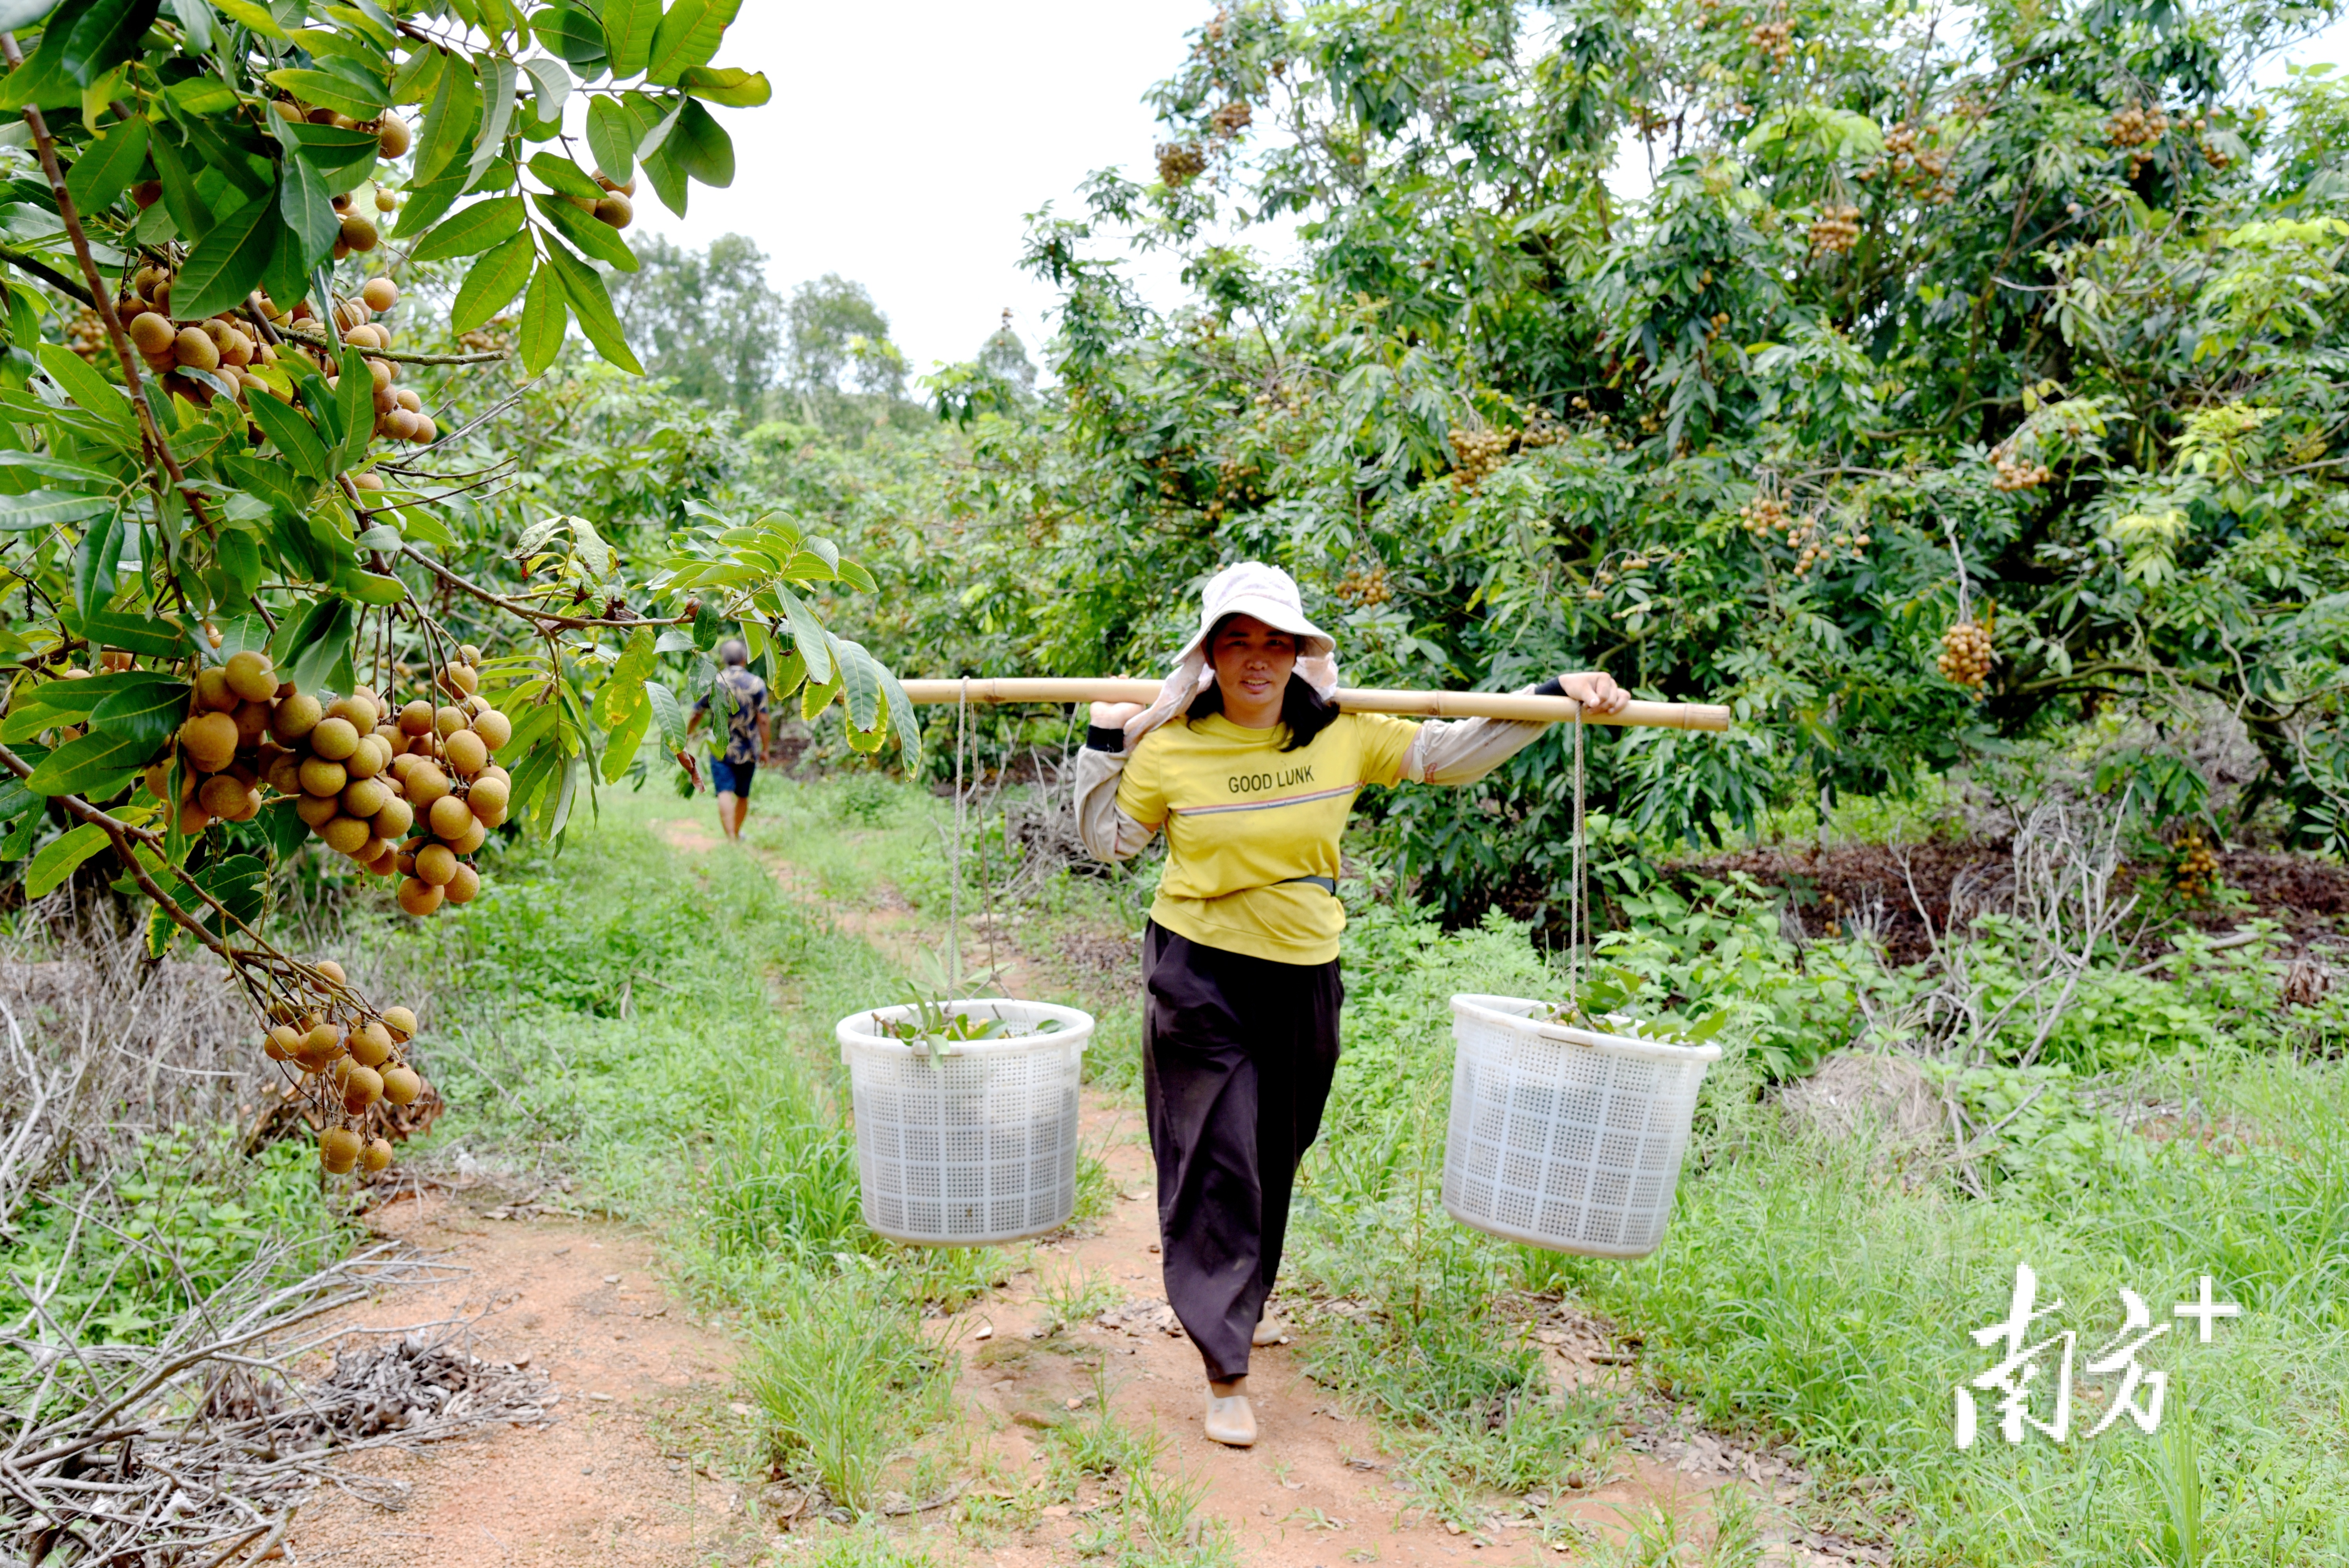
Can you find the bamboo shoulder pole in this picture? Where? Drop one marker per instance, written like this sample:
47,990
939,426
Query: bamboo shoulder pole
1354,699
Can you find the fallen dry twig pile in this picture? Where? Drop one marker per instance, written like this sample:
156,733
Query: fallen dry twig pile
196,1450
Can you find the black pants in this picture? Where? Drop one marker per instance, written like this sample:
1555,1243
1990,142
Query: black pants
1238,1054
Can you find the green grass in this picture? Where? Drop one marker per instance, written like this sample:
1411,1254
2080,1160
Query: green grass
661,1022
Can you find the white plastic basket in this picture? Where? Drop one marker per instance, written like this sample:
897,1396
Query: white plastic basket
977,1147
1561,1137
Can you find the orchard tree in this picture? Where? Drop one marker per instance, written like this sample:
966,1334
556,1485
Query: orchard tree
1956,377
273,570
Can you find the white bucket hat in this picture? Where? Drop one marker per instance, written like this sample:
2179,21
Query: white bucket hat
1248,588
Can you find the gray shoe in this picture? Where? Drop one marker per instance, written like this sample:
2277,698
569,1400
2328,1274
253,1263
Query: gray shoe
1231,1421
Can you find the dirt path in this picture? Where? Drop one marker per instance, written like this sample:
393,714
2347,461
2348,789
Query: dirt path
609,1480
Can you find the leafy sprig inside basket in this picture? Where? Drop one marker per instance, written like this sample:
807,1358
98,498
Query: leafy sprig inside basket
1603,1005
936,1023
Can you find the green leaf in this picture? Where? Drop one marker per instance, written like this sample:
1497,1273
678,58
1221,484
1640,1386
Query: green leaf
807,636
375,588
308,646
105,35
667,178
550,83
81,766
246,14
491,283
860,676
154,635
238,882
573,34
105,171
471,231
449,124
99,553
583,286
620,746
701,147
307,207
60,856
688,37
58,469
558,174
330,89
295,436
427,200
543,318
200,96
496,112
629,29
668,713
343,157
612,139
729,84
623,693
589,233
48,508
356,392
90,391
904,720
149,713
226,264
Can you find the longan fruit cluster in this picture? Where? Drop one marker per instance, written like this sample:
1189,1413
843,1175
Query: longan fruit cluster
1180,162
2134,131
1966,657
1923,171
1765,517
361,777
2195,871
2017,473
399,413
86,336
493,336
221,345
616,207
1479,452
1368,589
460,793
1835,230
351,1058
1231,118
1776,39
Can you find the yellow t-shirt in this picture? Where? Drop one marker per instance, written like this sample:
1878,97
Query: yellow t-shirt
1242,816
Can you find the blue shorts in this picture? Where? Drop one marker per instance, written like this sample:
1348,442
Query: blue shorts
732,778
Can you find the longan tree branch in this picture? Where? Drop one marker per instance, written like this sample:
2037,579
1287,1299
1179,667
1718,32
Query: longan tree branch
542,618
26,261
401,356
101,300
120,834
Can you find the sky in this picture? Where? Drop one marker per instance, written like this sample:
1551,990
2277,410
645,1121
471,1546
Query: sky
906,146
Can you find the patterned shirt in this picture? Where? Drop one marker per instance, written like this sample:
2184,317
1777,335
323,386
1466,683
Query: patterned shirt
748,698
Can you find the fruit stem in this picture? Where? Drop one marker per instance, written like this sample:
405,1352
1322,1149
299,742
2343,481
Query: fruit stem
101,300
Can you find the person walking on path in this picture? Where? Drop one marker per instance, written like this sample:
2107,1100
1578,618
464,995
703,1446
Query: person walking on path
1247,765
749,735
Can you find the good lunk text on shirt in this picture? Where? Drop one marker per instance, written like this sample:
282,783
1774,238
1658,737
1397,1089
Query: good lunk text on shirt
1248,783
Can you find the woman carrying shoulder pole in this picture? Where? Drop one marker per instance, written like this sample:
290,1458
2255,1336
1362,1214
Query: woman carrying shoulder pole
1251,769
